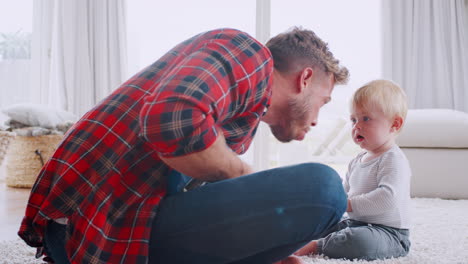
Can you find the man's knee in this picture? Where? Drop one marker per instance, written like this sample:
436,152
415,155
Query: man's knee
323,181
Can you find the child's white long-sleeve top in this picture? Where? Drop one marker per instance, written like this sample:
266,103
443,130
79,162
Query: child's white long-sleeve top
379,189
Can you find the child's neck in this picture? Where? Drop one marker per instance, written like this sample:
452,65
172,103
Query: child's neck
375,153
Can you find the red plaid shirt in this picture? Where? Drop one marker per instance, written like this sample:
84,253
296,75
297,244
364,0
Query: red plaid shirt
106,177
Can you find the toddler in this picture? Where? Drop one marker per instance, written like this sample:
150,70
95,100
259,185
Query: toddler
377,183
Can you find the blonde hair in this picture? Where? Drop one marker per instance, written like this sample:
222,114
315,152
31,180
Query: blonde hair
384,95
303,48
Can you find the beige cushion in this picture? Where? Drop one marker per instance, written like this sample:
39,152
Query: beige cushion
435,128
438,172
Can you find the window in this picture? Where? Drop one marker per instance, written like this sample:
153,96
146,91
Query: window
154,27
15,50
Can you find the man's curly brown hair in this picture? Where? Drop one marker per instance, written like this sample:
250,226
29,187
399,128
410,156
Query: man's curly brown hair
303,48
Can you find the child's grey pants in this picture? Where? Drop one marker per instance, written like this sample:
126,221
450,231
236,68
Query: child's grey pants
351,239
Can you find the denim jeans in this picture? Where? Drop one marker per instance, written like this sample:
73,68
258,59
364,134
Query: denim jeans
258,218
54,242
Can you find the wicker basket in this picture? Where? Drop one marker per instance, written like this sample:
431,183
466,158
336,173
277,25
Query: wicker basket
5,138
26,156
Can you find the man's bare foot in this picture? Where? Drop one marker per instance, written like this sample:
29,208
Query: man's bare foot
310,248
291,260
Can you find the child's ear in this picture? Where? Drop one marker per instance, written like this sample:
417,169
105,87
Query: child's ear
397,123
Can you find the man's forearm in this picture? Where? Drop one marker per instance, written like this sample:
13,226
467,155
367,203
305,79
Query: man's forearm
215,163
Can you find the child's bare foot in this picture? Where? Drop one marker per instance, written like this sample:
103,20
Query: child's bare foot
310,248
291,260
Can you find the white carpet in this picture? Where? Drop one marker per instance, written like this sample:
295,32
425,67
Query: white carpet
439,236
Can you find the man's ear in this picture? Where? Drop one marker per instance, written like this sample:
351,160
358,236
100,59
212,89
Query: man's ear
305,77
397,123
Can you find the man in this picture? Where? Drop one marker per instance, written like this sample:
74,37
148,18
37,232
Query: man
114,183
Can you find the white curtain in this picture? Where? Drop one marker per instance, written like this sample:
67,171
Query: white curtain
426,51
79,53
41,50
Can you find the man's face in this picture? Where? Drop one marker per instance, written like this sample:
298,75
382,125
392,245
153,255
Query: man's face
302,111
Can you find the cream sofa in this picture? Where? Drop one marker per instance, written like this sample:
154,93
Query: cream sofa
436,144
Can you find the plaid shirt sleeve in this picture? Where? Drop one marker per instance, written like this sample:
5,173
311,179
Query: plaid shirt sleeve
221,85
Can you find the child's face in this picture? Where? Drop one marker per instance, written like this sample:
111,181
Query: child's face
372,130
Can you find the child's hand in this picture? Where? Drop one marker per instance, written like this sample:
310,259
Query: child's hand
349,208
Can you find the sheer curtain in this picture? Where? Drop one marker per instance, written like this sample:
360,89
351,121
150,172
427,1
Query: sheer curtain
80,51
426,51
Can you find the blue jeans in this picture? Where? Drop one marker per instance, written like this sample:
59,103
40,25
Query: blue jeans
54,242
259,218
